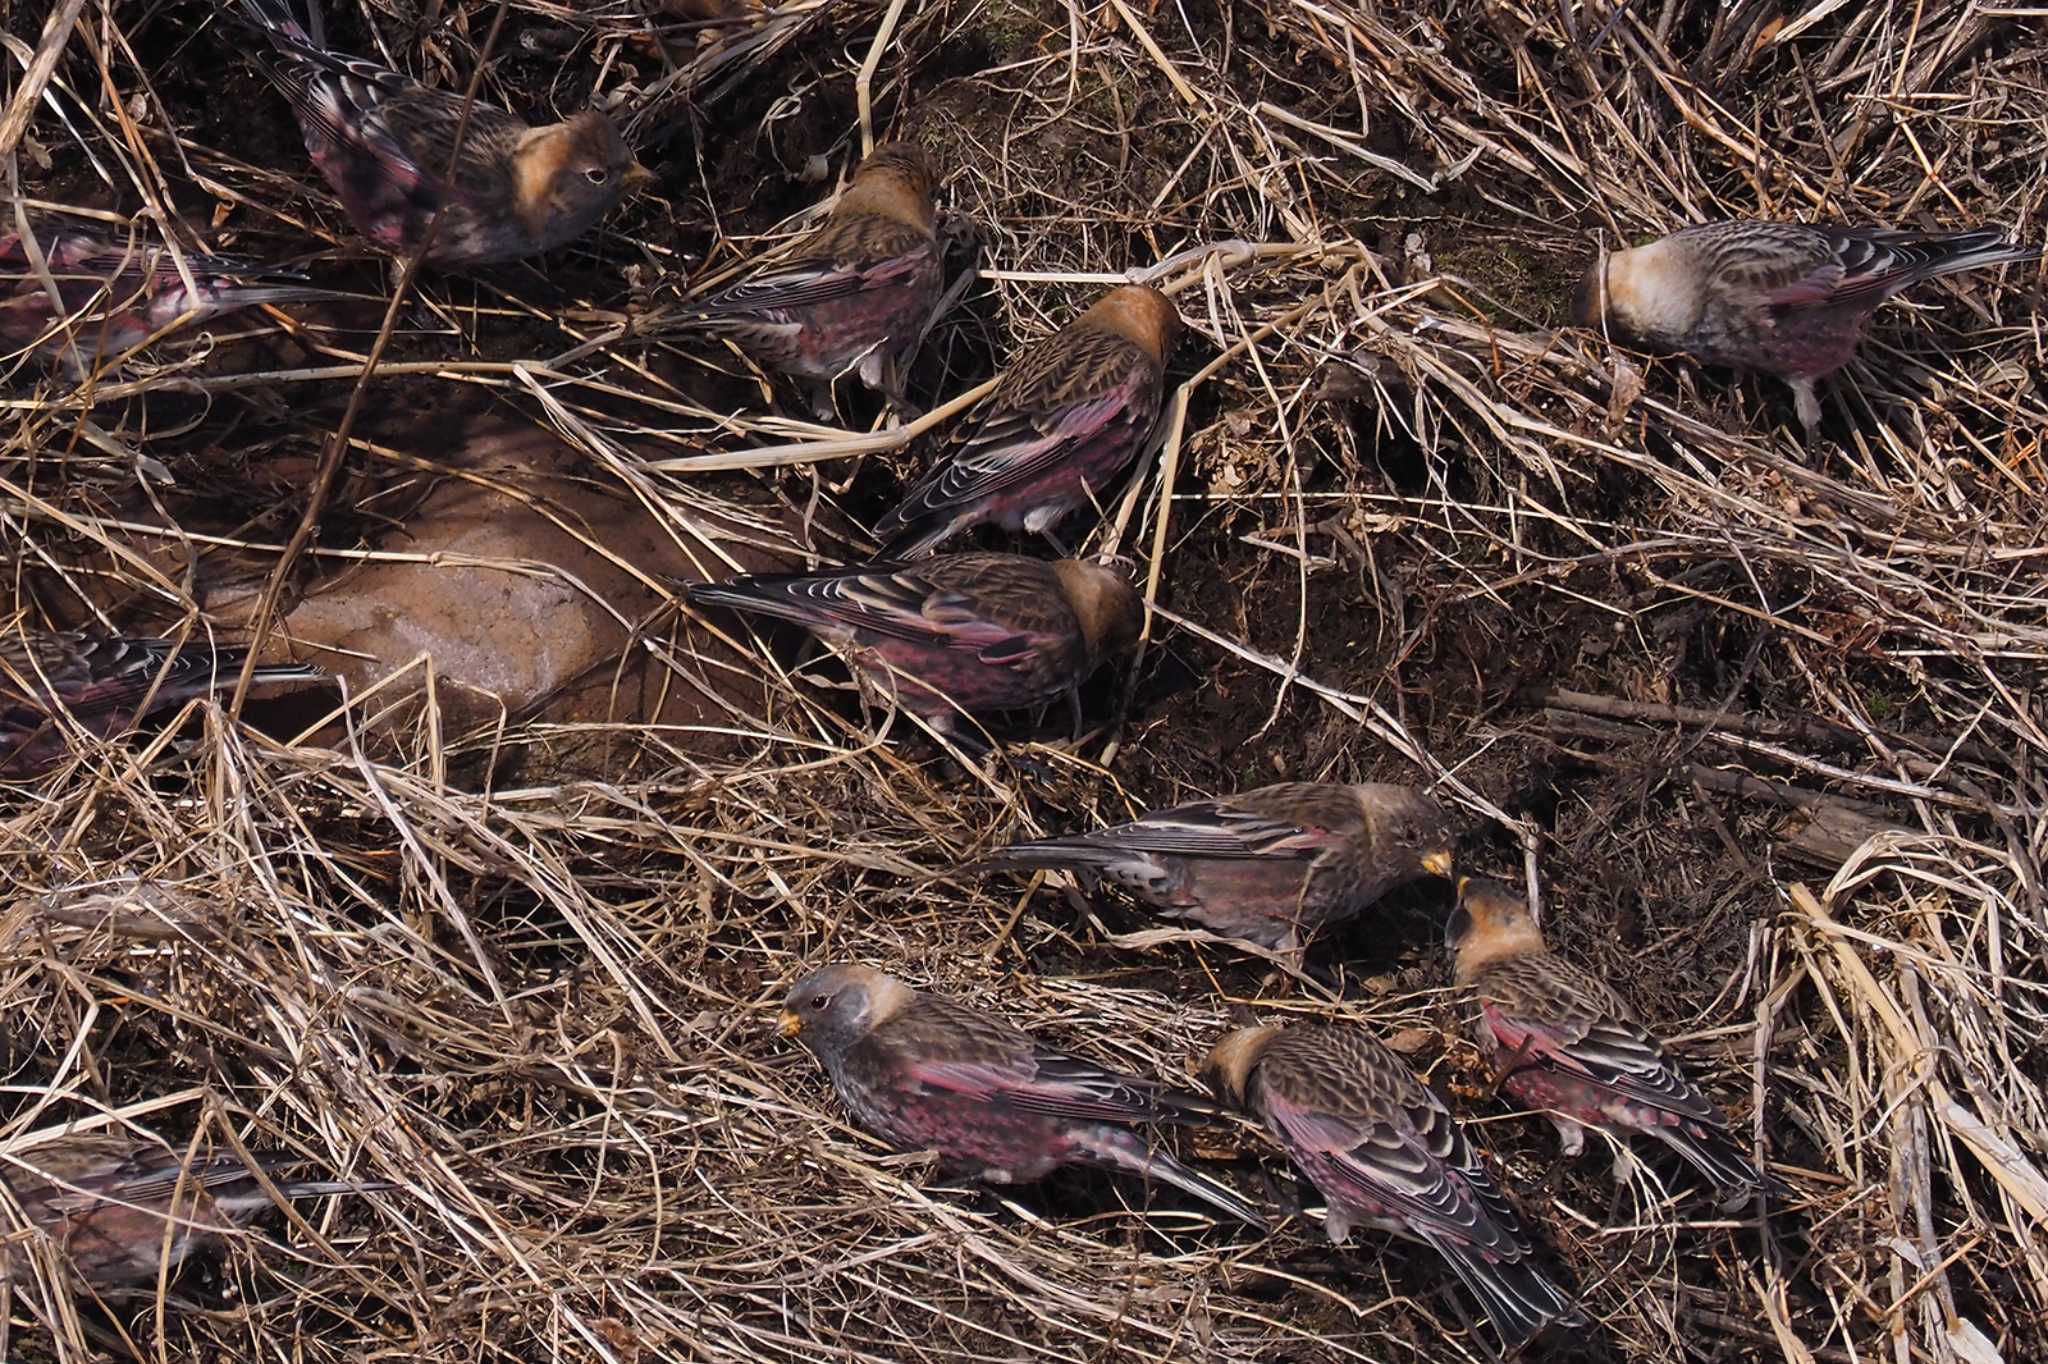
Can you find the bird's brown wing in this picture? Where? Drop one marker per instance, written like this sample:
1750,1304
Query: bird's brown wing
1360,1124
1069,392
1754,264
1790,266
80,1173
422,123
1543,1010
943,1044
92,673
998,611
847,256
1020,595
409,128
1229,827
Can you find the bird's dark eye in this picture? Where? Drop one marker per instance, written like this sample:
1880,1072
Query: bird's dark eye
597,175
818,1002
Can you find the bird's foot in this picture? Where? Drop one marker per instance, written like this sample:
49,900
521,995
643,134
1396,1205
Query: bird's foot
1624,1165
819,396
1807,402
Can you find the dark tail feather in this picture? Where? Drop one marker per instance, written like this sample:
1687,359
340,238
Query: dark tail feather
249,295
1120,1149
132,667
300,21
1714,1154
1519,1299
229,666
1975,251
903,541
752,596
1046,854
268,673
247,1198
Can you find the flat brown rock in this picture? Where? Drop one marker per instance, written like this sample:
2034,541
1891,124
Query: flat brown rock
527,586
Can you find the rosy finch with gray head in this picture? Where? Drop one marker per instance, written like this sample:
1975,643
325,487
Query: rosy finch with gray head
927,1073
1272,866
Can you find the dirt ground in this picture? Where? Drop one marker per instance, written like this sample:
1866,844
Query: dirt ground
1762,715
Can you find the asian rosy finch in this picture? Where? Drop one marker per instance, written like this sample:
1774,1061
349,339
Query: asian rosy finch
103,684
1061,426
856,295
1385,1153
928,1073
1272,866
1779,298
113,294
387,144
1563,1041
119,1210
958,633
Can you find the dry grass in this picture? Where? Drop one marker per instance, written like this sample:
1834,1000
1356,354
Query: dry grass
1765,723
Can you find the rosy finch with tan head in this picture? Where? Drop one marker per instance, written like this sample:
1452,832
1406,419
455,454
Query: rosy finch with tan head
1563,1041
968,633
1785,299
856,295
1385,1153
387,144
1060,428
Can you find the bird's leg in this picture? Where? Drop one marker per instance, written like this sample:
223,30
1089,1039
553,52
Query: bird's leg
1571,1140
905,411
1029,765
418,313
1808,404
1507,1064
969,739
1074,709
975,745
819,394
1293,962
1624,1164
1058,547
1624,1175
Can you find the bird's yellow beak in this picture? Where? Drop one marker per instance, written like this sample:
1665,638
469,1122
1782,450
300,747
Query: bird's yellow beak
638,176
1439,863
787,1024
